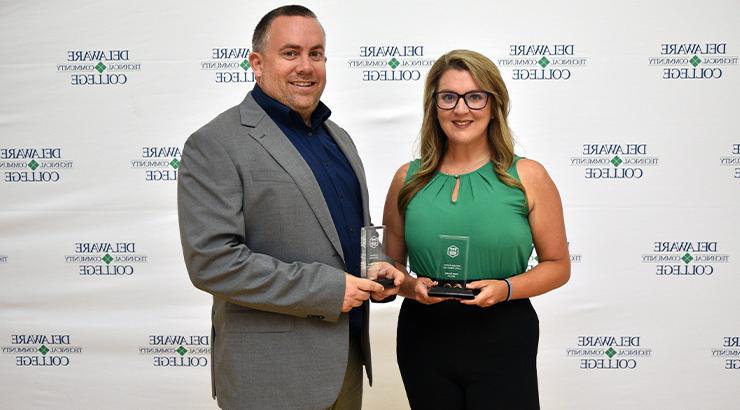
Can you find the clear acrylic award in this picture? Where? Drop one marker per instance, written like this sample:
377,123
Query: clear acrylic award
452,268
374,263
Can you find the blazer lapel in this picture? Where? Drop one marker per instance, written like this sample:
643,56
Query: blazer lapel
350,152
267,134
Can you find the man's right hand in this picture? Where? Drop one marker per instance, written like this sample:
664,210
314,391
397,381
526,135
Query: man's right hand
357,291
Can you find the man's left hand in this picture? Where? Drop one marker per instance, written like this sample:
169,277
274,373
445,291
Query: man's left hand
384,270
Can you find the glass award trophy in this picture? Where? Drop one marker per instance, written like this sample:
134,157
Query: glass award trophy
373,260
452,268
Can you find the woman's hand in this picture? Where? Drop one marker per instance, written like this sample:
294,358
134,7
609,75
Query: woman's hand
491,292
421,289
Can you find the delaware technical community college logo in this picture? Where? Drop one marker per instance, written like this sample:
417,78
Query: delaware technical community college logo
41,350
732,160
229,65
548,62
177,350
382,63
33,164
692,61
158,163
685,258
95,259
614,161
111,67
729,352
608,352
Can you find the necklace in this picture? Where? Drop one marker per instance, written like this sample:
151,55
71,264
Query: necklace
456,172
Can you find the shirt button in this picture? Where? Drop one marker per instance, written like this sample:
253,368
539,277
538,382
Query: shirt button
310,134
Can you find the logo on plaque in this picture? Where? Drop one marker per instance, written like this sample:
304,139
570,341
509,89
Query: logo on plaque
374,242
453,251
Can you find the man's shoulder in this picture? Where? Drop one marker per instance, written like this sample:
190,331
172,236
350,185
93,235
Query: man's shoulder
226,120
226,128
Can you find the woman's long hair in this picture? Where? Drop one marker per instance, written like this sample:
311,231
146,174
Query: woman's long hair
433,141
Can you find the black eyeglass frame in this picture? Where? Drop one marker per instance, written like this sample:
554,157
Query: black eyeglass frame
464,98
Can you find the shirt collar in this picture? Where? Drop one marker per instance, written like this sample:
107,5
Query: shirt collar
284,115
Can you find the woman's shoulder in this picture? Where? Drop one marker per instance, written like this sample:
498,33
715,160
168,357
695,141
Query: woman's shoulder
529,169
406,170
401,175
535,179
414,164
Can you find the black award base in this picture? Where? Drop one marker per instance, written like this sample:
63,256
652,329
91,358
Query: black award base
386,282
452,292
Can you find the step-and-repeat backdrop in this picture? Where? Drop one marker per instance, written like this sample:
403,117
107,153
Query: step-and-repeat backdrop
631,106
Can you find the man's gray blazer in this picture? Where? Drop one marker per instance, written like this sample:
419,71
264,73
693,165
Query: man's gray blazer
257,235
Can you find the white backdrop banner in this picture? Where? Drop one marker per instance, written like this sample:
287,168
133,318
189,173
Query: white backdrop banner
631,106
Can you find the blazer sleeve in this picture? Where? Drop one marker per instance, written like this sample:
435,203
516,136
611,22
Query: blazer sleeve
212,232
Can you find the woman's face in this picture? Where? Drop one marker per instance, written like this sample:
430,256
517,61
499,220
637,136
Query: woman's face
461,124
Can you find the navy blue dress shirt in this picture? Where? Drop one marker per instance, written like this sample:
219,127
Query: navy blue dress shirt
332,171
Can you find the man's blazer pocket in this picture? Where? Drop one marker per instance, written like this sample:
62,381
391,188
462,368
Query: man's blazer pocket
257,321
266,175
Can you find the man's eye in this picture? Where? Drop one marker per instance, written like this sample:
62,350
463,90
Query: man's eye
290,53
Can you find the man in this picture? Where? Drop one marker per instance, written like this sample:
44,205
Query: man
271,199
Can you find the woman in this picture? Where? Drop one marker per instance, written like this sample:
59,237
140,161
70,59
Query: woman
477,353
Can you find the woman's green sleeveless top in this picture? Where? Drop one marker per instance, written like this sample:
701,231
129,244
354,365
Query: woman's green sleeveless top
493,215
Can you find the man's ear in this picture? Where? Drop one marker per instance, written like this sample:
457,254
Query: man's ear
255,61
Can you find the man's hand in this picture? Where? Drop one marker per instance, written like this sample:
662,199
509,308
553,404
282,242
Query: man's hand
357,290
384,270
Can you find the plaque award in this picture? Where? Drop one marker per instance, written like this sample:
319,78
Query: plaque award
452,268
373,257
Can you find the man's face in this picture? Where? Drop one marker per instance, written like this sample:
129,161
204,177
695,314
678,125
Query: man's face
292,66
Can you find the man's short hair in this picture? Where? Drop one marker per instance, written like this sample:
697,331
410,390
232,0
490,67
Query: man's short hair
259,38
